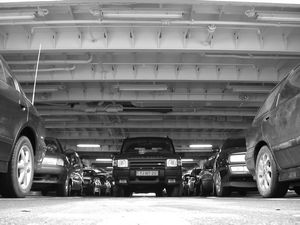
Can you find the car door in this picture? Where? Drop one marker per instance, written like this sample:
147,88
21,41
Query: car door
285,119
13,113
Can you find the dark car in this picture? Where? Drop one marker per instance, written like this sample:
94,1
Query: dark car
273,141
230,172
185,184
88,181
53,174
22,147
206,177
75,173
196,185
147,164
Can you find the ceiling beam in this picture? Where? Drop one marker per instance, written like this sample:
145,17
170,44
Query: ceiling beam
96,94
197,112
248,41
191,124
74,135
159,73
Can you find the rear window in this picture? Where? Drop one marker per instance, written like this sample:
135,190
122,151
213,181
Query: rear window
147,146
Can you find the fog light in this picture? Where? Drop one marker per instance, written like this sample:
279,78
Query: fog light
123,181
239,169
171,181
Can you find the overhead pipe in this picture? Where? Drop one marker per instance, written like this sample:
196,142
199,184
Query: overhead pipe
44,70
157,23
51,62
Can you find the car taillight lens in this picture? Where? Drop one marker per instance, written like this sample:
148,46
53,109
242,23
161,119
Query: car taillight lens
237,158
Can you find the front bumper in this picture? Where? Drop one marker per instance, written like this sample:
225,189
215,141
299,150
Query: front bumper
166,177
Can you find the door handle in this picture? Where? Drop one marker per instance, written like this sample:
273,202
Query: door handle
267,118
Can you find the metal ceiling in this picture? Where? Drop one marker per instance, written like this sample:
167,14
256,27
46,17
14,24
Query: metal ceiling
196,71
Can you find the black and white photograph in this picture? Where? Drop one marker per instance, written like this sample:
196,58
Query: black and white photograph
149,112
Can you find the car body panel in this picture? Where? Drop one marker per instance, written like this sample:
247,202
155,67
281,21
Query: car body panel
17,117
279,128
147,160
222,164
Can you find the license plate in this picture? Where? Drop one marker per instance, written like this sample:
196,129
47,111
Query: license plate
147,173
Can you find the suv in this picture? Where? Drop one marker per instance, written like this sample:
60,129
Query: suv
273,141
22,145
147,164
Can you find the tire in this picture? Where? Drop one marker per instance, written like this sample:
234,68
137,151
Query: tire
203,190
174,191
267,175
119,191
159,193
19,177
70,192
220,190
297,190
44,192
63,188
80,191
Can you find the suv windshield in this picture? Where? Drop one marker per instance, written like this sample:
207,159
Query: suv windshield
143,146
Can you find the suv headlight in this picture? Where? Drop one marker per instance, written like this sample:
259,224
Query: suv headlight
237,158
121,163
172,162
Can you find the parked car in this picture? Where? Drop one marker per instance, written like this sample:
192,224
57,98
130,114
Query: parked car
273,141
90,184
53,174
75,173
206,177
147,164
21,137
195,189
185,185
230,172
102,183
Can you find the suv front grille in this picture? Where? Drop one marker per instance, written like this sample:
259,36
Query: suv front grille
147,164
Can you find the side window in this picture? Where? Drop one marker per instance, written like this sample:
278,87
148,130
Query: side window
2,77
269,102
291,87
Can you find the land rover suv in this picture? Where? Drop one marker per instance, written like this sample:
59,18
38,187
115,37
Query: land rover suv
147,164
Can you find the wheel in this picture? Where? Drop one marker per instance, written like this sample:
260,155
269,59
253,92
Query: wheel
173,191
159,193
18,179
63,188
297,190
80,191
118,191
243,193
70,192
44,192
267,175
221,191
197,190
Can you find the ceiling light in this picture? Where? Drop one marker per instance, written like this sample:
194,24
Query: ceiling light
279,17
17,16
146,119
88,146
200,146
250,89
104,160
141,14
187,160
141,87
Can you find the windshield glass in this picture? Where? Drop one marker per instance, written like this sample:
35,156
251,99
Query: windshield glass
88,173
147,145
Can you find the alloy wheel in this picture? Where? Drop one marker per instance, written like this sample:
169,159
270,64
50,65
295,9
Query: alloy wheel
264,172
24,167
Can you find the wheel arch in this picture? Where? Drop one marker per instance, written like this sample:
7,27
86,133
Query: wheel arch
30,134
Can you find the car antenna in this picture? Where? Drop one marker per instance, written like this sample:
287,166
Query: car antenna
36,71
